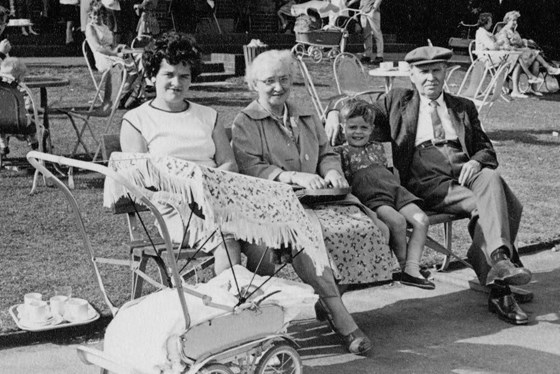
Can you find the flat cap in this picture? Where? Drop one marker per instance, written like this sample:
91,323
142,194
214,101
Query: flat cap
428,55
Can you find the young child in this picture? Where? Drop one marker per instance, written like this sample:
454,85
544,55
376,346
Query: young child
364,164
13,69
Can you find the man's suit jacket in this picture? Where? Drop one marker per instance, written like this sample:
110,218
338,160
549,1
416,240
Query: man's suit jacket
400,120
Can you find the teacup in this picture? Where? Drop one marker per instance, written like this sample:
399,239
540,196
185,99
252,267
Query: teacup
32,296
404,66
58,303
386,65
76,309
36,311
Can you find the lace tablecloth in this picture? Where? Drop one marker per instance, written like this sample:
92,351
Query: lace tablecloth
252,209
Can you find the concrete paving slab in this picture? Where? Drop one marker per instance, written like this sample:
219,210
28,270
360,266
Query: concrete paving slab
447,330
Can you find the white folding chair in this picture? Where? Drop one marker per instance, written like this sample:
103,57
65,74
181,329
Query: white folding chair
104,105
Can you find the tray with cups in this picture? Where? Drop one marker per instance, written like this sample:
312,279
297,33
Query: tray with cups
60,311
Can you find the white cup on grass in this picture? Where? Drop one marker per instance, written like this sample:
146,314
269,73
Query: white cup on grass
76,309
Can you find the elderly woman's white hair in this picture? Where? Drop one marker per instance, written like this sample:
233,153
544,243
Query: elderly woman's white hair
514,14
268,58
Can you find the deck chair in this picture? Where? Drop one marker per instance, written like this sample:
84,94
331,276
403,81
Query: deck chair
475,81
104,105
351,78
485,97
160,249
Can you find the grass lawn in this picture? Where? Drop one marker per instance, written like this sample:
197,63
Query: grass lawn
41,250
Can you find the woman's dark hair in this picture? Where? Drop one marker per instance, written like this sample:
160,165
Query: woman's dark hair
483,19
175,48
357,108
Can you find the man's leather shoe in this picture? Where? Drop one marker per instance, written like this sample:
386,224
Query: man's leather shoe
504,272
409,280
507,310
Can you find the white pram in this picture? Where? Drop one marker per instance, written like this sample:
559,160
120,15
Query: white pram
205,328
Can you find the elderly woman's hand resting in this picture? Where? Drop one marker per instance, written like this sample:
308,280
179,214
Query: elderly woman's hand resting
314,182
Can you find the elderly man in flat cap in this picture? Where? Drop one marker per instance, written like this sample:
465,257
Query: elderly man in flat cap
445,158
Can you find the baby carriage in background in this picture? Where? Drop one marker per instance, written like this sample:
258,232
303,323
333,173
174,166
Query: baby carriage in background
235,323
315,40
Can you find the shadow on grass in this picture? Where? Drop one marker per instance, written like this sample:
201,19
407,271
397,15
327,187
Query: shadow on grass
535,137
550,97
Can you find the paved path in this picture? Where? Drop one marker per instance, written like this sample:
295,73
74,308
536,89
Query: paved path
448,330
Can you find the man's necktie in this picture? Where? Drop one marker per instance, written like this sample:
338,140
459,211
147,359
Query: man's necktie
439,133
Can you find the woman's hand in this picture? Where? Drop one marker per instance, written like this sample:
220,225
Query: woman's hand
308,180
336,180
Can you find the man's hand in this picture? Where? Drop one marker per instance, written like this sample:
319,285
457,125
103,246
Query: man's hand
5,46
468,171
335,179
308,180
332,126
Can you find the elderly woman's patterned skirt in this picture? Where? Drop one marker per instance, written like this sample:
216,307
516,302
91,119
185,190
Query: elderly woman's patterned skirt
358,251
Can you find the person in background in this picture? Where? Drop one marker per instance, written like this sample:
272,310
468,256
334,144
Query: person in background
70,12
148,23
284,12
530,59
105,51
5,45
371,29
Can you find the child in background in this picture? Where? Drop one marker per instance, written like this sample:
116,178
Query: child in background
13,69
364,164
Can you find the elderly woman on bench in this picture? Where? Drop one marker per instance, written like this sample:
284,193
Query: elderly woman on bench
275,139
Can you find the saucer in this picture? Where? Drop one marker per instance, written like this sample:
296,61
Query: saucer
52,321
92,314
22,317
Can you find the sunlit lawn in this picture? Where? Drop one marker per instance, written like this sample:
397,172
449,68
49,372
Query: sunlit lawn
40,248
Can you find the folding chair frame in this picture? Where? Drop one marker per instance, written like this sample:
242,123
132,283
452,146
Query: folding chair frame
94,111
349,91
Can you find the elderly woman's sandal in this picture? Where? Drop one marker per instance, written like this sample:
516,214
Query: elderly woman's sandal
356,342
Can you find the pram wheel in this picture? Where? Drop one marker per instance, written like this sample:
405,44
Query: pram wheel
215,369
299,49
283,358
333,53
315,53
